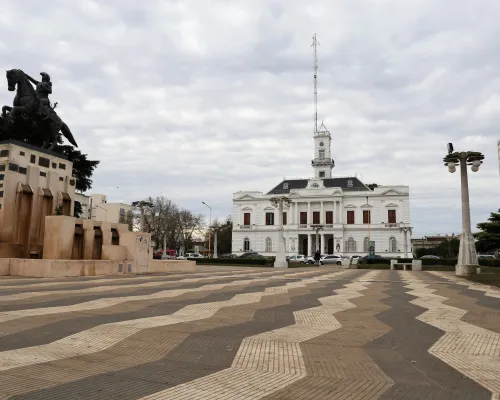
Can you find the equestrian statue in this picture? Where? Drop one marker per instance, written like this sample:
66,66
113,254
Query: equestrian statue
32,110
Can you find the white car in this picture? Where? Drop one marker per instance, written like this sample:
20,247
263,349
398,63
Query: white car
300,259
332,259
190,255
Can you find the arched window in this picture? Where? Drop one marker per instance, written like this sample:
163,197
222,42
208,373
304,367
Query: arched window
393,245
366,244
269,245
351,245
246,244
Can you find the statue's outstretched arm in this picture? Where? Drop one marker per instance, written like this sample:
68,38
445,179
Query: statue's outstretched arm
35,82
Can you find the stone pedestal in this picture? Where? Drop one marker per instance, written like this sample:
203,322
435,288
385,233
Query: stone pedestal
33,182
467,256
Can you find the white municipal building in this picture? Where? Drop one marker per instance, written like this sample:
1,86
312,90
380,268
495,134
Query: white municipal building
352,213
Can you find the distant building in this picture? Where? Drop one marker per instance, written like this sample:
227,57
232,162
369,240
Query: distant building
97,208
352,214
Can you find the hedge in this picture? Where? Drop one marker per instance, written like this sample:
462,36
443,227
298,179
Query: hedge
489,262
425,261
260,262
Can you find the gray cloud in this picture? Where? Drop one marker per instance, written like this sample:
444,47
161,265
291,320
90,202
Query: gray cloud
196,100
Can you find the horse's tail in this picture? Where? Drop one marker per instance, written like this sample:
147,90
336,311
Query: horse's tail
68,135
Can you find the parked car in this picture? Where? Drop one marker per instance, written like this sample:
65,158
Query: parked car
190,255
299,259
228,256
362,260
331,259
484,256
431,257
310,260
252,254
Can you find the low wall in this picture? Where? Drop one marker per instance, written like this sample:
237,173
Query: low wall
63,268
40,268
163,266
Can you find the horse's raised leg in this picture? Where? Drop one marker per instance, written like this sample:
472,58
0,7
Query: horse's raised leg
5,109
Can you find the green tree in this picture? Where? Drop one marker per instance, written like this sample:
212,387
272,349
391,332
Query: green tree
446,249
224,235
488,240
78,209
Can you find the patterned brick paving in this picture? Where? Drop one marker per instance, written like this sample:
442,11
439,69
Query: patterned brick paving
248,333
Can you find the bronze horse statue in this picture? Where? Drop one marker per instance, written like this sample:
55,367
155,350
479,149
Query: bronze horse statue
36,107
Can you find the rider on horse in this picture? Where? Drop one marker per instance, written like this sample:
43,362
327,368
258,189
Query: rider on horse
43,89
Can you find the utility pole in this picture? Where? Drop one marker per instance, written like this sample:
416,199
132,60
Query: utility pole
215,243
314,45
280,261
209,226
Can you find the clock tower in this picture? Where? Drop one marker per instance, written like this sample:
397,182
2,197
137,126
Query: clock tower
322,162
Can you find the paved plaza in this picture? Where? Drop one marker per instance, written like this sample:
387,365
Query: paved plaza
250,333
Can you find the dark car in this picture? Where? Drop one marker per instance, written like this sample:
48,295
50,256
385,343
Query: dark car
363,260
252,255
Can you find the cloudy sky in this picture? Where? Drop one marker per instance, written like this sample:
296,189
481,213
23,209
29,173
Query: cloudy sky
197,99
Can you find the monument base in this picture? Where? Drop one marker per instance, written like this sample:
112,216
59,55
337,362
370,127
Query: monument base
280,264
465,270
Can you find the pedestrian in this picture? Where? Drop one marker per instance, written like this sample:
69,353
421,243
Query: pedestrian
317,257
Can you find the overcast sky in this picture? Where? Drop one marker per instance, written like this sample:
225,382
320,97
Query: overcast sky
197,99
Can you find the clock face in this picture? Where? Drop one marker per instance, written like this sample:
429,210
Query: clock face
321,144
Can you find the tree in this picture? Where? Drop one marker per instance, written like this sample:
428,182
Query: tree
78,209
446,249
166,221
224,235
488,240
128,219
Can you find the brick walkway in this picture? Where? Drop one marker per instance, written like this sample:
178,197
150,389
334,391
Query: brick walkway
247,333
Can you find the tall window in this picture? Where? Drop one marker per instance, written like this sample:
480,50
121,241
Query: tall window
246,219
350,217
284,218
329,217
303,218
351,245
322,154
393,244
269,245
321,174
246,244
366,244
367,216
391,215
316,217
269,218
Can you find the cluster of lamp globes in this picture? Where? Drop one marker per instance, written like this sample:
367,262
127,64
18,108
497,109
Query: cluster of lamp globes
475,166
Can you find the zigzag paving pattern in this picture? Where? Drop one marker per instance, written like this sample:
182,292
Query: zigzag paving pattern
250,333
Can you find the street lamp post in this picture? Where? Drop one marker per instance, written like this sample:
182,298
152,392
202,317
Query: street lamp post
280,261
317,228
467,256
405,230
209,226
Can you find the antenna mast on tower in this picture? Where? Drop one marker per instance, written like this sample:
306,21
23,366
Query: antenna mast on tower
314,45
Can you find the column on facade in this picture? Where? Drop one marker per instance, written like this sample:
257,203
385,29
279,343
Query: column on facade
341,213
309,245
309,217
322,248
321,215
297,216
335,212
